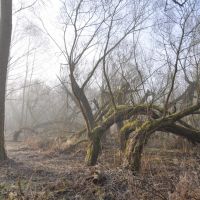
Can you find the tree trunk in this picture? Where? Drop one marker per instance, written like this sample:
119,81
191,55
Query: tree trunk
5,39
83,103
125,131
135,145
134,152
93,150
94,142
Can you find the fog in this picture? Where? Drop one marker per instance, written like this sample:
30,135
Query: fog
99,99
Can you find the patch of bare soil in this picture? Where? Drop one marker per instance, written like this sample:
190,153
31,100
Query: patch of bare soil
36,174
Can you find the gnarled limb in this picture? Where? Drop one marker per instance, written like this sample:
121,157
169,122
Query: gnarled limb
136,144
192,135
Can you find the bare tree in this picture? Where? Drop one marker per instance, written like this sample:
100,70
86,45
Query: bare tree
5,39
93,30
112,16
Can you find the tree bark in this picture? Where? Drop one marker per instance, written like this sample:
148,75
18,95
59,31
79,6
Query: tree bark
125,132
5,39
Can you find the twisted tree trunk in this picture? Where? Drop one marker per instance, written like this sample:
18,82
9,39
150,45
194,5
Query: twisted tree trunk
114,116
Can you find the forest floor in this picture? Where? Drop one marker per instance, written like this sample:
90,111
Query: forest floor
32,173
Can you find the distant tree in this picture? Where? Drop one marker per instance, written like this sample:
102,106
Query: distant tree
180,3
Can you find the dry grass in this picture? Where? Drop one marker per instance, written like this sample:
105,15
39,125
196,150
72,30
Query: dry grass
52,145
166,174
188,187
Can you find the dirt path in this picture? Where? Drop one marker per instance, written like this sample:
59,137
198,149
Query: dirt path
36,169
37,164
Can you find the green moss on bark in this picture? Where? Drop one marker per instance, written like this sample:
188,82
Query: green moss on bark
129,126
92,153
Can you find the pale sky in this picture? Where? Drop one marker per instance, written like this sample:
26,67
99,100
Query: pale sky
27,36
